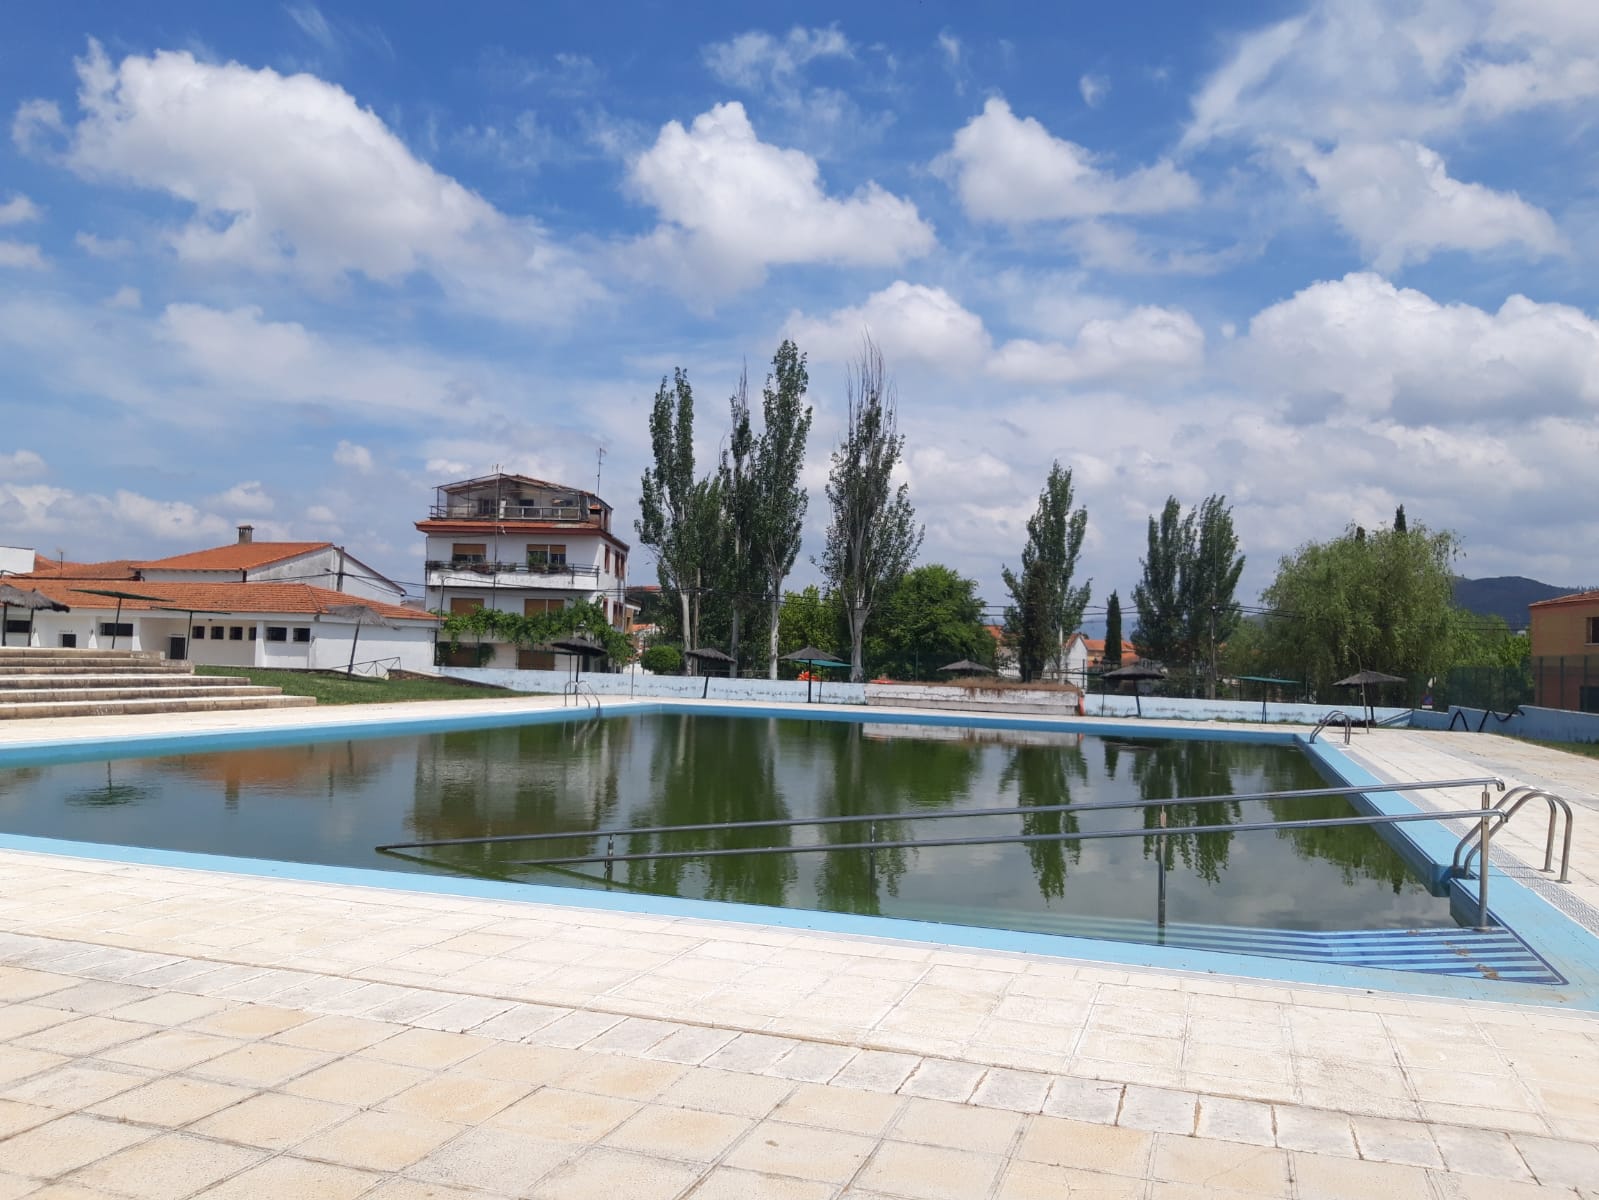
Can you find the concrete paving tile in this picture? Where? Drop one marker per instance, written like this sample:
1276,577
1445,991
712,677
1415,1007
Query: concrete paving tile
174,1164
16,1116
168,1008
520,1021
1320,1177
19,1020
814,1062
956,1126
516,1062
416,1189
20,983
687,1133
272,1121
14,1187
68,1142
1106,1148
428,1049
930,1172
1040,1181
86,1035
1258,1170
286,1176
495,1160
944,1079
691,1045
726,1183
1395,1141
628,1078
751,1052
845,1109
173,1101
1559,1162
1471,1187
249,1021
556,1115
730,1092
1017,1091
379,1141
877,1071
355,1080
170,1050
1094,1100
1479,1152
466,1099
1158,1110
803,1152
337,1034
606,1172
72,1085
260,1064
1235,1121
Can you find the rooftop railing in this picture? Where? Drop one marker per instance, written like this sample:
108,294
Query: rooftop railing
463,566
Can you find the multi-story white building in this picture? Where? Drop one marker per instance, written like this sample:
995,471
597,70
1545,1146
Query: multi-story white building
525,546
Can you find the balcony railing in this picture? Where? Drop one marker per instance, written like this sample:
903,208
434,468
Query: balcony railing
458,566
569,513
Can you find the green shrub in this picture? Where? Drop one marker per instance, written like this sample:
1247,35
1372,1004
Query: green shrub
662,660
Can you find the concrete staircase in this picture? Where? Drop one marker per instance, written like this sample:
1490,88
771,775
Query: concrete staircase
37,682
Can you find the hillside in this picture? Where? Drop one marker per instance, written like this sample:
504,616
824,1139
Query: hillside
1505,596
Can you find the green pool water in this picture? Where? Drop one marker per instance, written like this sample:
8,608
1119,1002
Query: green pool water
332,802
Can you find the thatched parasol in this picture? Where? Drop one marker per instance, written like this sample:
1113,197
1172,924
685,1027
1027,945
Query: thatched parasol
711,654
15,597
812,657
1136,672
967,667
1363,679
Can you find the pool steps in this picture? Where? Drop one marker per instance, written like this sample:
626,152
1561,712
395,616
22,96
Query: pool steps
49,682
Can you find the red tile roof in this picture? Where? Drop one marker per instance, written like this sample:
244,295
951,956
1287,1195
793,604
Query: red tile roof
1588,597
49,568
237,556
290,599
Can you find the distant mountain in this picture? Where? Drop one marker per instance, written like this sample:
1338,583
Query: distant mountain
1505,596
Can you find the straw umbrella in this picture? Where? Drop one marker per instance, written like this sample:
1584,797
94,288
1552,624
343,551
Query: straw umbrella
26,598
1136,672
710,654
362,614
581,645
966,666
812,657
1362,679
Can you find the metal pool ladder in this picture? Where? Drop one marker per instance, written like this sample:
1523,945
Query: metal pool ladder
1487,816
1334,718
1509,805
580,693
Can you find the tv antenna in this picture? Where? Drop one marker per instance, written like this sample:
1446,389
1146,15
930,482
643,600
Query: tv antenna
599,465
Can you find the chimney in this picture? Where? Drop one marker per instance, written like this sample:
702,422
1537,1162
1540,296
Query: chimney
246,534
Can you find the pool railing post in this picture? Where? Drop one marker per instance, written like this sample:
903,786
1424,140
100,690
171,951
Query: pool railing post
1482,865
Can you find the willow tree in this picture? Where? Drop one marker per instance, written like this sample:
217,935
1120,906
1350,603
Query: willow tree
1046,605
873,537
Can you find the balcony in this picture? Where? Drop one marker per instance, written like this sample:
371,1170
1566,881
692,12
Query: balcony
488,510
468,573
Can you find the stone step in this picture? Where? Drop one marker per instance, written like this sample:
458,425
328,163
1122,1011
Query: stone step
77,652
85,695
12,667
132,679
112,708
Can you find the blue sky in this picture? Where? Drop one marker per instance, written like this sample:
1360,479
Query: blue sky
296,265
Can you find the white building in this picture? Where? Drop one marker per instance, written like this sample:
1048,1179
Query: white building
523,546
321,564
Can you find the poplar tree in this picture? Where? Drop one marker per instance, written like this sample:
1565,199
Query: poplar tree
1045,604
740,514
1209,581
778,501
1159,634
1112,657
679,515
873,537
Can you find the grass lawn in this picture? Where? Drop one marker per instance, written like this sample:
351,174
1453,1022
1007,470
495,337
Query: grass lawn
1587,749
330,687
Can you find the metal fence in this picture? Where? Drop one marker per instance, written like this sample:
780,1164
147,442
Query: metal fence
1569,681
1498,688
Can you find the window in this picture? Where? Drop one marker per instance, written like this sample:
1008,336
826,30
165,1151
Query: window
302,633
465,604
117,629
254,631
537,608
15,626
469,552
69,641
217,633
277,633
621,567
1593,631
607,560
546,556
236,633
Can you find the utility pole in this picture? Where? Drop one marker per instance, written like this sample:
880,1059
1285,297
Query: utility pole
599,465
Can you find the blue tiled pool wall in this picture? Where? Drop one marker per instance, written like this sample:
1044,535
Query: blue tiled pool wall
1569,952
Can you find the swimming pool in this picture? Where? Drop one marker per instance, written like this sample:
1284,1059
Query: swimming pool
1336,896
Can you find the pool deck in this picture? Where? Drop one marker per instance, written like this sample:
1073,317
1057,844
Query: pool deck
168,1032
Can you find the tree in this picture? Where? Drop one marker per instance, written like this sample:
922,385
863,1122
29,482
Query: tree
679,514
1400,525
1113,633
1045,605
808,618
1161,629
1209,580
932,618
777,499
736,480
873,537
1383,601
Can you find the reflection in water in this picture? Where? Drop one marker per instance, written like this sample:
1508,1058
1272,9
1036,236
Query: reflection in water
333,801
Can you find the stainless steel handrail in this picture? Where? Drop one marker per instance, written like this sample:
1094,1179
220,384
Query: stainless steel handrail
1337,714
1509,805
576,690
947,813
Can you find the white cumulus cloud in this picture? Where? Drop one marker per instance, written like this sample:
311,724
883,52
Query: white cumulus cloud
18,210
24,255
291,174
1147,339
1011,169
909,322
356,457
733,205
